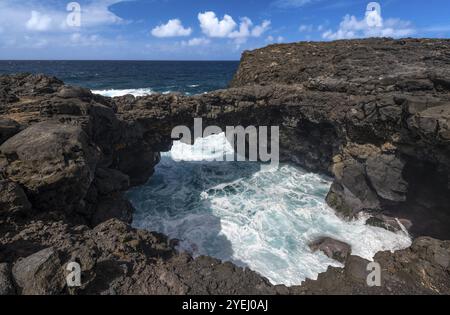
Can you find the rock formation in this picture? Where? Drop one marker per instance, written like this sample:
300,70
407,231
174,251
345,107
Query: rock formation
374,114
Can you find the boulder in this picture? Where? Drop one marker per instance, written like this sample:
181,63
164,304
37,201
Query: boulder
74,92
54,162
40,273
334,249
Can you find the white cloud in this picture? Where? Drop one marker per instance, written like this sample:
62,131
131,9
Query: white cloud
351,27
197,41
39,22
261,29
305,28
173,28
20,17
98,13
212,27
271,39
227,28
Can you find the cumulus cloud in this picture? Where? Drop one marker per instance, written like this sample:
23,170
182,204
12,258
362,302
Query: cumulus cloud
212,26
39,22
173,28
197,41
371,26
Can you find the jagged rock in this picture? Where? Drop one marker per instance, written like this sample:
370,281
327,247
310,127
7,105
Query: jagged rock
7,97
356,269
334,249
54,162
388,223
115,206
40,273
385,174
12,198
6,284
137,162
8,128
110,181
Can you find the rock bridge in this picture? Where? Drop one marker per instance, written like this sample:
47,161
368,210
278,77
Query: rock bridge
374,114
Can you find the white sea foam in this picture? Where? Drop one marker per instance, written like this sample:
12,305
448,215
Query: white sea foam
114,92
236,212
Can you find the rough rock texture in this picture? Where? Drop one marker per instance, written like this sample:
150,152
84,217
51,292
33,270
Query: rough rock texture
6,284
413,270
374,114
39,273
334,249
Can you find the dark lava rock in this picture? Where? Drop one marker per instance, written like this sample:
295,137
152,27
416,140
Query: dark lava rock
6,284
334,249
54,163
109,181
12,198
8,128
74,92
115,206
40,273
388,223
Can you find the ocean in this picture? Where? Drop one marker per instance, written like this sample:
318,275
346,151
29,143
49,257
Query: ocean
114,78
234,211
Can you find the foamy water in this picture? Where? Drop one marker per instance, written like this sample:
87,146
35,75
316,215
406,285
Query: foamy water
122,92
236,212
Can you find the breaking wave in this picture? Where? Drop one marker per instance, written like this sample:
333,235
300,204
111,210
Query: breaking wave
237,212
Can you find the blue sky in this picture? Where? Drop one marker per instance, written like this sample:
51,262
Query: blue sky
202,29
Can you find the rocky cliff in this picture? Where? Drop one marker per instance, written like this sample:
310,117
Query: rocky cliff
374,114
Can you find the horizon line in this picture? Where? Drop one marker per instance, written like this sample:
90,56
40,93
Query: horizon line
138,60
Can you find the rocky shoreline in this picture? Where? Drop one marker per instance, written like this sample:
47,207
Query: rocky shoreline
374,114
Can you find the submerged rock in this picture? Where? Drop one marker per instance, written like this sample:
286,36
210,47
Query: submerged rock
388,223
334,249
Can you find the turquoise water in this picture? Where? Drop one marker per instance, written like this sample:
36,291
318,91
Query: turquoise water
261,219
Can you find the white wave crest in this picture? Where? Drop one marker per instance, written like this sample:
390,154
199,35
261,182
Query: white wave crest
134,92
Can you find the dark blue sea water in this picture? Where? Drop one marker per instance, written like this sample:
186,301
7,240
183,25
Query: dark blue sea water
137,77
